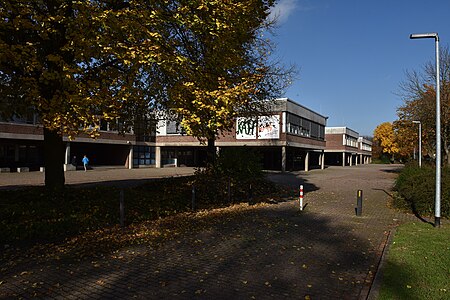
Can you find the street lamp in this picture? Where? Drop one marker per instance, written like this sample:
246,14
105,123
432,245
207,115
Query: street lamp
437,208
420,142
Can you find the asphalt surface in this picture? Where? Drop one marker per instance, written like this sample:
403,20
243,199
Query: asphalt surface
262,252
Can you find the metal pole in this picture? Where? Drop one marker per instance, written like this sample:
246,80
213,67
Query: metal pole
359,199
437,206
301,197
437,215
420,144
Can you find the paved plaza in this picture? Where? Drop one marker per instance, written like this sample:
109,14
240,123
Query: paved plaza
259,252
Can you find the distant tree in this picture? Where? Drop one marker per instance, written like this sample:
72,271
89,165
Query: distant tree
406,137
419,96
384,134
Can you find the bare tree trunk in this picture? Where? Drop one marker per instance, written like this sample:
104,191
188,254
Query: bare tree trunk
54,160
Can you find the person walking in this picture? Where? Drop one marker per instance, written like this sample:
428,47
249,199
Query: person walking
85,161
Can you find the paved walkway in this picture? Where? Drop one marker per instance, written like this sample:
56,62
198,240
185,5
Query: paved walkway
259,252
102,175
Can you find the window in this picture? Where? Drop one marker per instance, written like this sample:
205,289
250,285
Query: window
143,155
174,127
297,125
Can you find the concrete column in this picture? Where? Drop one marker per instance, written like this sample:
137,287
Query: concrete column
67,156
283,158
130,158
350,160
67,165
343,159
307,161
158,157
322,160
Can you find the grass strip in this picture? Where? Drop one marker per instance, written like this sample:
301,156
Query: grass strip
418,263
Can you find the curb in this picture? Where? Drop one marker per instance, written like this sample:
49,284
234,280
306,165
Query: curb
376,283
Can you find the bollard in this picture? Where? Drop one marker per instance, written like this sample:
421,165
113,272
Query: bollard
300,199
122,209
250,195
359,197
193,197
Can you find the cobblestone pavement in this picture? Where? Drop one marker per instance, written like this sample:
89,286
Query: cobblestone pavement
264,252
99,175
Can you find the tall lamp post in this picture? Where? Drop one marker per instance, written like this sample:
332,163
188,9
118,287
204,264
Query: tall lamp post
420,142
437,208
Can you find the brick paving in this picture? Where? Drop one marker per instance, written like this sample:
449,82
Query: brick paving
264,252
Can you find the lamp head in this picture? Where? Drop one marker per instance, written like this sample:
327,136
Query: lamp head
431,35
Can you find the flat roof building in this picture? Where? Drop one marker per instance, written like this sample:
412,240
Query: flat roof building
345,147
289,136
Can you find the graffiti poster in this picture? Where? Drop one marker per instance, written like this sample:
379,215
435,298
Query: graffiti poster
246,128
269,127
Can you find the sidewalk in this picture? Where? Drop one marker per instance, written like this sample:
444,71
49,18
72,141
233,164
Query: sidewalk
103,175
247,252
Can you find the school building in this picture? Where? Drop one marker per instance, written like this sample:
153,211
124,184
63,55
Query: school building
346,148
289,137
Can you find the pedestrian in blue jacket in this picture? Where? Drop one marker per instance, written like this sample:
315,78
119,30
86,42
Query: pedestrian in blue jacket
85,161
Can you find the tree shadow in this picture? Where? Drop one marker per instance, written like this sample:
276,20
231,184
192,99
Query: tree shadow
412,206
293,181
394,170
267,252
395,280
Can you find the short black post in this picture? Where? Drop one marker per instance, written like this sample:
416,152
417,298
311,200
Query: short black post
122,209
250,195
193,197
359,199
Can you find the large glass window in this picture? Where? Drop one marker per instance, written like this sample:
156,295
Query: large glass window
143,155
297,125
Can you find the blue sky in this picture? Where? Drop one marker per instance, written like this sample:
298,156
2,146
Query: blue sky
352,55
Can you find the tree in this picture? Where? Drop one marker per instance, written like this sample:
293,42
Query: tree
79,62
384,134
74,63
225,70
419,95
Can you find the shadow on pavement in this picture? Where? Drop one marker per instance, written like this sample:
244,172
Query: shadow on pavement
268,253
293,181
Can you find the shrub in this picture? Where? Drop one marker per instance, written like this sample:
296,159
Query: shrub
240,164
236,175
416,190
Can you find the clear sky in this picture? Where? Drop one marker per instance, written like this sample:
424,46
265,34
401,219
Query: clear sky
353,54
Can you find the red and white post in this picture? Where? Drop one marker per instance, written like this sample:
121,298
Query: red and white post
300,199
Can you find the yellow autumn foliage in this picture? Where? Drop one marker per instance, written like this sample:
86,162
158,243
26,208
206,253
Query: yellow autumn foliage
385,135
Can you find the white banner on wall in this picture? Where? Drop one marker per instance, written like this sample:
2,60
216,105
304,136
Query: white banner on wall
269,127
245,128
263,127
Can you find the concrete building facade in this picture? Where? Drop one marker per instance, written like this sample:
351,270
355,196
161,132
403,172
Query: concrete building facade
345,147
288,137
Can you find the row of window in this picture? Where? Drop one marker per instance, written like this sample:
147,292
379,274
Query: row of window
300,126
351,141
